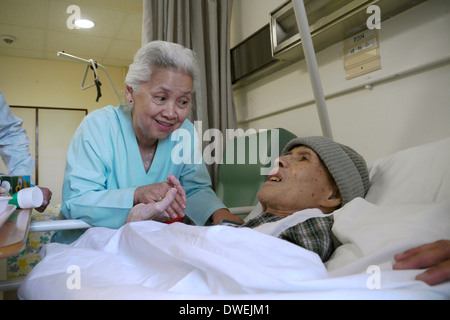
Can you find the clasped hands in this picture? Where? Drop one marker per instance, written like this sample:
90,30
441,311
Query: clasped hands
159,201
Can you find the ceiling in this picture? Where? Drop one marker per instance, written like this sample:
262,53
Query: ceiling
40,29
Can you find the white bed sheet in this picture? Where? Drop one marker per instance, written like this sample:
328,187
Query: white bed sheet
151,260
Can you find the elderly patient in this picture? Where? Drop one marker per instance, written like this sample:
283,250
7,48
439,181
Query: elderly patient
313,172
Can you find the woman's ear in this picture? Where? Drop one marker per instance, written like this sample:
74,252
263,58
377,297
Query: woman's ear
129,94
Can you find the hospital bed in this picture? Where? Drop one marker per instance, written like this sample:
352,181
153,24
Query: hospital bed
407,205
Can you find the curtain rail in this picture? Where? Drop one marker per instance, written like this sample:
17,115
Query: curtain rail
88,62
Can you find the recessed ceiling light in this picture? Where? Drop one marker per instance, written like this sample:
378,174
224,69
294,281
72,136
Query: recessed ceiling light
8,39
84,23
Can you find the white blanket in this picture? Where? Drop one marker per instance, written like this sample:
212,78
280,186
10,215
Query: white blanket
151,260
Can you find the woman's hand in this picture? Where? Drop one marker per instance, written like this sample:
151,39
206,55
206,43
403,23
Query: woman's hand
153,211
47,195
153,193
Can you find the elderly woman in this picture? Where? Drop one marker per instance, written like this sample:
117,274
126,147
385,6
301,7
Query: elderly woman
312,173
121,157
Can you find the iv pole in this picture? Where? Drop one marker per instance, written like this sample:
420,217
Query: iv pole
311,62
94,66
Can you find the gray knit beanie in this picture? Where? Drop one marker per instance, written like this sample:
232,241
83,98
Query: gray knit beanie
347,167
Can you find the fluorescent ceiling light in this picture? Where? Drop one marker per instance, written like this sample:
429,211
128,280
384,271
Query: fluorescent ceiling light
84,23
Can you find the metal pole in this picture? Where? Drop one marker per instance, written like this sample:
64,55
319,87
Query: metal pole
89,63
311,62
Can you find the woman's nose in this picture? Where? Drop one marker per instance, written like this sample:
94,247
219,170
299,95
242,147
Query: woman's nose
169,110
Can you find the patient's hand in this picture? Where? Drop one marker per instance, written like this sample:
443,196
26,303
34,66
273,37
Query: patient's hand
153,211
435,256
222,214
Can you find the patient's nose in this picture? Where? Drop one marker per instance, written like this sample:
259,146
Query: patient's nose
280,162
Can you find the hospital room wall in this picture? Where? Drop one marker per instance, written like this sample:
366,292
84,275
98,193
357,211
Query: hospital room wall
52,85
398,112
57,84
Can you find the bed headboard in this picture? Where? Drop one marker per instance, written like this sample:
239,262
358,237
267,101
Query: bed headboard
239,183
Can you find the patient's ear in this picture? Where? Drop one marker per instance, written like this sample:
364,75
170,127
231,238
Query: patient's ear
334,200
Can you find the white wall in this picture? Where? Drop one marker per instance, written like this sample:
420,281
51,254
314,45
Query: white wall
404,111
248,16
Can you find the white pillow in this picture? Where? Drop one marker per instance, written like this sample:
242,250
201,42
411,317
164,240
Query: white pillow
416,175
372,234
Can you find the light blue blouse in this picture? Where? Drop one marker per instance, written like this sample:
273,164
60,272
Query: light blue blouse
104,167
14,143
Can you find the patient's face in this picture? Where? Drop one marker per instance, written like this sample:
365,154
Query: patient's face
301,181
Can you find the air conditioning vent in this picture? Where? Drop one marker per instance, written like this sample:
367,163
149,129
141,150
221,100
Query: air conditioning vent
278,44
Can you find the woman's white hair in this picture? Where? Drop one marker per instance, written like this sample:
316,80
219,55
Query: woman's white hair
160,54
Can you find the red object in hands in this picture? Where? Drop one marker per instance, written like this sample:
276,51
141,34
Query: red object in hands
177,219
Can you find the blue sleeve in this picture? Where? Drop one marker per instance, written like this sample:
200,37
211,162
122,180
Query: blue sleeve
86,194
14,143
201,199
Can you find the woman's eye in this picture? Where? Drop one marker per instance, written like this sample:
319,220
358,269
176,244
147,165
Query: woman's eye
159,99
183,103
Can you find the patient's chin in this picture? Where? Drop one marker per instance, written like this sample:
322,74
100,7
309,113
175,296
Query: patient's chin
263,203
262,197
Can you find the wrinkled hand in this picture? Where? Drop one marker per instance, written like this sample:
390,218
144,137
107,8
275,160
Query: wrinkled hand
435,256
153,211
47,197
151,193
222,214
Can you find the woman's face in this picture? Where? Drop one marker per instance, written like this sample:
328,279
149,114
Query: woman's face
161,104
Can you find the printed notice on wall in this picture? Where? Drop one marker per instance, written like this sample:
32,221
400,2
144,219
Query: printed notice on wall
361,54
